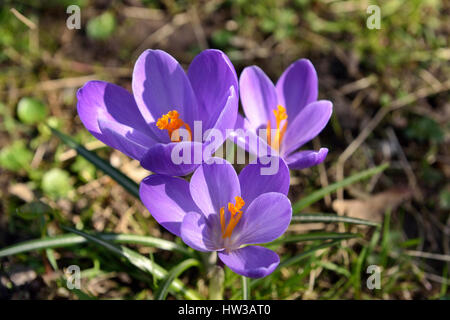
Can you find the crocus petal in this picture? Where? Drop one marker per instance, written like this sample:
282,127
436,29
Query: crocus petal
212,76
130,141
297,87
265,219
258,96
200,233
168,200
226,120
255,179
245,137
251,261
307,125
168,158
161,85
305,159
212,186
100,101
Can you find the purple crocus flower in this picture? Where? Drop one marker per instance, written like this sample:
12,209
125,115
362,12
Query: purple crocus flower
290,109
164,99
221,211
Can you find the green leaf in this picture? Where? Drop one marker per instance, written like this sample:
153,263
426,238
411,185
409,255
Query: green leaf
129,185
139,262
329,218
424,129
334,267
315,236
67,240
319,194
173,274
16,157
33,210
56,183
303,255
30,110
102,26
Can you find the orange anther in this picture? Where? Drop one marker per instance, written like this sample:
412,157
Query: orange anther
280,115
171,122
236,214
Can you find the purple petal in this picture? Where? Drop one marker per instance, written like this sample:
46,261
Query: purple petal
212,76
163,158
161,85
168,200
200,233
258,96
297,87
212,186
227,116
251,261
241,122
305,159
265,219
245,136
99,101
307,125
254,183
130,141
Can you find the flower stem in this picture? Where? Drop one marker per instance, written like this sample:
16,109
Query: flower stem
216,282
245,288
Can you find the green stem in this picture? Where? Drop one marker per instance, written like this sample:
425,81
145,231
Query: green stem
245,288
216,278
216,282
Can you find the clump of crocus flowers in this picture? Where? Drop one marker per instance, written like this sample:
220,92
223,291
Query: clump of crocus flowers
218,210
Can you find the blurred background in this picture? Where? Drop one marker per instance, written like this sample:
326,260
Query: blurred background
390,90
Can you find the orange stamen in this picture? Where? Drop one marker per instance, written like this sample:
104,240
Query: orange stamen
280,115
171,122
236,214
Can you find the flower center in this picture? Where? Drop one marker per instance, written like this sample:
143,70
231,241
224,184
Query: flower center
280,115
171,122
236,214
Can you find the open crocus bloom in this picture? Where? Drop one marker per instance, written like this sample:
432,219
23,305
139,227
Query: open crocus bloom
290,109
221,211
145,125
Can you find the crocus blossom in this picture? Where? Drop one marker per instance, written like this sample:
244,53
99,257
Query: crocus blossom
290,109
165,99
221,211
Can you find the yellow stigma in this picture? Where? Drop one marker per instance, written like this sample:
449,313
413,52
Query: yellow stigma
280,115
236,214
171,122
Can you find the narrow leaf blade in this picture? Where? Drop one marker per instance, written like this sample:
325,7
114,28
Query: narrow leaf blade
173,274
319,194
129,185
66,240
315,236
140,262
330,218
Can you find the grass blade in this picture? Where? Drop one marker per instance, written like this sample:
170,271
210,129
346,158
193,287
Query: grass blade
173,274
329,218
67,240
129,185
315,236
319,194
140,262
